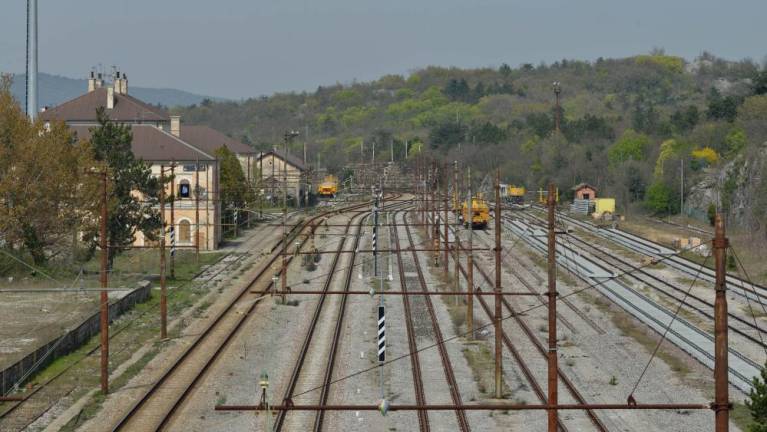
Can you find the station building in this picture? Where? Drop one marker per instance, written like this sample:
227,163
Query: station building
161,140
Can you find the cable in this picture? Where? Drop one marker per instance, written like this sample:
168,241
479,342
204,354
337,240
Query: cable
668,327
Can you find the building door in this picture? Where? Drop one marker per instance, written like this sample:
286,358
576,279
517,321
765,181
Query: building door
184,231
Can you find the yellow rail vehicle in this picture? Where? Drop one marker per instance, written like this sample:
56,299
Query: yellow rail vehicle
480,213
328,187
516,194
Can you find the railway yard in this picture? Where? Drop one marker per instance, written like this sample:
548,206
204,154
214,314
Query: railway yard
374,307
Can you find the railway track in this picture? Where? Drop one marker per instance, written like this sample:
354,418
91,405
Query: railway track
685,335
678,294
37,403
670,257
156,408
447,366
415,363
595,420
296,373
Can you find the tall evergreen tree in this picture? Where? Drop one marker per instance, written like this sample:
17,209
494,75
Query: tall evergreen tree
757,403
128,213
235,191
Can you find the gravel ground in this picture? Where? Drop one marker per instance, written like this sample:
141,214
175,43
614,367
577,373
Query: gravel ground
225,286
591,360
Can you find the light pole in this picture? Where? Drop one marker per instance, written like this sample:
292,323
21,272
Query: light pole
557,87
289,135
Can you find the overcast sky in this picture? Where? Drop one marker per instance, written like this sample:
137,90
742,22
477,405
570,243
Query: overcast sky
243,48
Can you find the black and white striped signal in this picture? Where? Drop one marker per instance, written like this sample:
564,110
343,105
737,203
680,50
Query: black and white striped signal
172,241
381,334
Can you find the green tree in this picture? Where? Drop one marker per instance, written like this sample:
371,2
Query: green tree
234,189
630,146
129,212
45,195
660,199
757,402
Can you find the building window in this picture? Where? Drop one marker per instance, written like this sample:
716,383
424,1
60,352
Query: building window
190,168
184,231
184,189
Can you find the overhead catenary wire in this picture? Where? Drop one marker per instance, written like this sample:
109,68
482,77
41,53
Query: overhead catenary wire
503,318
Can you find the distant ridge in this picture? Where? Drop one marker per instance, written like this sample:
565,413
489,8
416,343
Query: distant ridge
56,89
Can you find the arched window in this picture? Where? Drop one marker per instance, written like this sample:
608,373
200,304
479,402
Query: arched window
184,231
184,189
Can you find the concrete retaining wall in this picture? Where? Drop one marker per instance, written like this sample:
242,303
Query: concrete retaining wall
71,340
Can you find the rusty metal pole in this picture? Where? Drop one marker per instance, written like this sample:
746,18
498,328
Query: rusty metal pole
435,214
444,213
163,287
721,389
470,262
173,233
456,231
104,297
497,297
552,309
197,212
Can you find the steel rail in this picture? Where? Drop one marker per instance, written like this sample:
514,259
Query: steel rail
543,351
469,407
632,273
742,382
415,363
279,422
129,416
447,366
29,396
328,377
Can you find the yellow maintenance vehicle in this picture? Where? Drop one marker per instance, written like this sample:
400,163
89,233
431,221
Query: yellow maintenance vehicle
480,212
515,194
328,187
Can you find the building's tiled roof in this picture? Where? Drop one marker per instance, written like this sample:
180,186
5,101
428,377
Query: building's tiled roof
83,109
154,144
583,185
209,140
292,160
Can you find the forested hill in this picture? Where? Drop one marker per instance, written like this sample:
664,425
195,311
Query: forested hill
626,124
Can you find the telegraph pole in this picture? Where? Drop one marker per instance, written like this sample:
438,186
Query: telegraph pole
444,203
197,212
721,404
470,261
497,318
104,297
173,220
552,309
557,90
284,273
163,287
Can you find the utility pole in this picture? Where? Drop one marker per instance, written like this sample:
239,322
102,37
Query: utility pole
444,213
104,297
470,261
557,90
457,238
552,309
173,220
721,404
197,211
284,273
497,296
681,187
163,287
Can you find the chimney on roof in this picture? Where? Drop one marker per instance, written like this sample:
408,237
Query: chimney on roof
92,82
121,83
99,81
175,125
110,97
